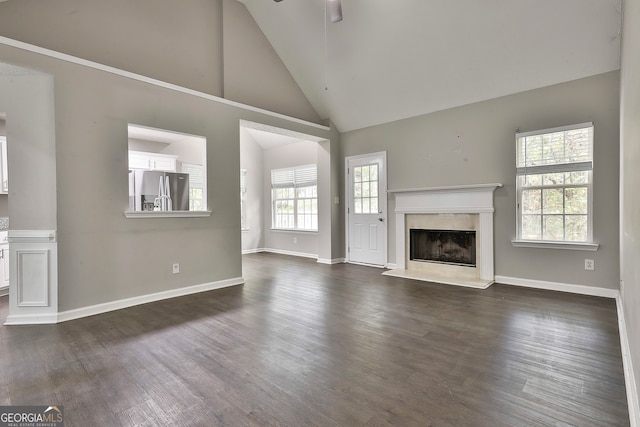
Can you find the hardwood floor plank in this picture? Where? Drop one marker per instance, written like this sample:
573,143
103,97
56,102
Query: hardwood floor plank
330,345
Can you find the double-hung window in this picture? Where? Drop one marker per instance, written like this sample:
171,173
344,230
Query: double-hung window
554,184
294,193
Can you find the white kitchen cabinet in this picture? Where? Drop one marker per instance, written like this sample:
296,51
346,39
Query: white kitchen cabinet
139,160
4,266
4,175
152,161
4,260
167,164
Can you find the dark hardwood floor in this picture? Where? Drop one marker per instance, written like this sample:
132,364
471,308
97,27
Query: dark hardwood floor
308,344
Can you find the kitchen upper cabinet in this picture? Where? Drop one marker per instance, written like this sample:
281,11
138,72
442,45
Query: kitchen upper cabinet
152,161
4,175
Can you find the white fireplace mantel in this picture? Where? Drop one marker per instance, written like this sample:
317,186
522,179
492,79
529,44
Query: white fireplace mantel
462,199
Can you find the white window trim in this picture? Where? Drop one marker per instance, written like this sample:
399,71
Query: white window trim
295,199
174,214
293,230
589,245
167,214
549,244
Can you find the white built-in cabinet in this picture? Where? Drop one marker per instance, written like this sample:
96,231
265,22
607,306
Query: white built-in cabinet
4,175
152,161
4,260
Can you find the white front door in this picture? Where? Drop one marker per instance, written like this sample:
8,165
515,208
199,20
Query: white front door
367,209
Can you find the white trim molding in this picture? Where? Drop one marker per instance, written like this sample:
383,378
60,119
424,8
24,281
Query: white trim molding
576,246
450,189
143,299
627,363
4,291
459,199
291,253
298,254
557,286
331,261
33,277
252,251
32,236
167,214
31,319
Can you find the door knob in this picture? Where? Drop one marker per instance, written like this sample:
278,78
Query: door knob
381,219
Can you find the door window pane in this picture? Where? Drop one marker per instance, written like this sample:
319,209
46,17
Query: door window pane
365,189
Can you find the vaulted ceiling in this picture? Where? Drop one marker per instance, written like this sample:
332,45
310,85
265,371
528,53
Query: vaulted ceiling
393,59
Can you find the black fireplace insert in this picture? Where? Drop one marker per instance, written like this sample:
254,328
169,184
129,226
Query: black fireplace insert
457,247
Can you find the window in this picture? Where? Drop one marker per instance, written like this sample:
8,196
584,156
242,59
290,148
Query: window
554,184
196,185
365,189
294,194
243,200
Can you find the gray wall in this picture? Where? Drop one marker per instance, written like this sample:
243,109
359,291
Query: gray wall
104,256
199,44
155,38
475,144
297,154
253,71
630,179
251,160
27,98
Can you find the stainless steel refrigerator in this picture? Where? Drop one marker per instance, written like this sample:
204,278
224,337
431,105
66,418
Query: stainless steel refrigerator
158,191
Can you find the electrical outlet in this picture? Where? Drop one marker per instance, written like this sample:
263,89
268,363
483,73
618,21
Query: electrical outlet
589,264
295,240
176,268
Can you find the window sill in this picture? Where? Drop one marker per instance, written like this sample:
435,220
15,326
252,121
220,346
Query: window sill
576,246
293,230
166,214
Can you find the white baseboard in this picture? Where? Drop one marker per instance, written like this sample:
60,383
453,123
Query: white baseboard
143,299
31,319
562,287
292,253
391,266
252,251
629,377
4,291
331,261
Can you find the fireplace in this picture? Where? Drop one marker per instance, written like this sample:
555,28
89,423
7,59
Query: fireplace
454,247
456,224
